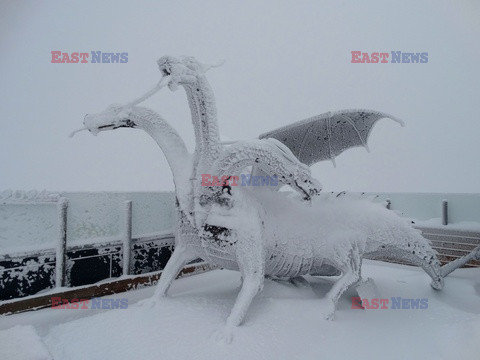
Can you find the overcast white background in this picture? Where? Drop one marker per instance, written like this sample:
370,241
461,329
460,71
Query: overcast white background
285,61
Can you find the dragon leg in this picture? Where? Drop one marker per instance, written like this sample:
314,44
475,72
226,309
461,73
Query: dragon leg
351,271
177,261
251,263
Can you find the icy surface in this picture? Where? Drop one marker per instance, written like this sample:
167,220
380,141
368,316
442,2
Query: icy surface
27,225
284,322
92,217
100,215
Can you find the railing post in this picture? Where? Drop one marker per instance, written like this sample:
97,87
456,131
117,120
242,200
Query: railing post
389,204
61,248
127,239
445,212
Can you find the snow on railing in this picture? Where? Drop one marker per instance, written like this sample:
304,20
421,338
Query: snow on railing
61,248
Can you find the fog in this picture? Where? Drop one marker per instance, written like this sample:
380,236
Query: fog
284,61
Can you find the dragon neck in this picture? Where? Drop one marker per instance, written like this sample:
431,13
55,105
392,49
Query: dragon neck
204,117
173,147
208,148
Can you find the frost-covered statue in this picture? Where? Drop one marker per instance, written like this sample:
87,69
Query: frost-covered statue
260,231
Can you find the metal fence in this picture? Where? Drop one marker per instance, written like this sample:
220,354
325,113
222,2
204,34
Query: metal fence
24,273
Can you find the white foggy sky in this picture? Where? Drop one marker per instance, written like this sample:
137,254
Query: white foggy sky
285,61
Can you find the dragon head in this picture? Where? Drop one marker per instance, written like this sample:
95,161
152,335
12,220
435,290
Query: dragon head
299,175
304,181
182,70
113,117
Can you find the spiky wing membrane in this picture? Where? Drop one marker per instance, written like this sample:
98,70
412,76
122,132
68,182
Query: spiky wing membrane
326,136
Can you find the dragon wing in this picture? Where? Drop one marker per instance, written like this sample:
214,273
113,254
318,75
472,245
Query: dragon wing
327,135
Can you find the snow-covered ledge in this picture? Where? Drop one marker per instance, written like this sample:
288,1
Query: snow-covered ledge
426,209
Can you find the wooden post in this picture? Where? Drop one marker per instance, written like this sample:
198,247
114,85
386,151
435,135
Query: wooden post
127,239
61,249
445,212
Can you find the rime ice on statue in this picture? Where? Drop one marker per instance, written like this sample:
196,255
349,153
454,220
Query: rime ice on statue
252,230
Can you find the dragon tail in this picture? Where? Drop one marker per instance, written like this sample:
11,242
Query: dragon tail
453,265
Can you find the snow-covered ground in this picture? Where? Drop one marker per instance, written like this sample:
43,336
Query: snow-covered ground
284,322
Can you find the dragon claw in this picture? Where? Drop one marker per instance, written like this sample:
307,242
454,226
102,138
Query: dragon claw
477,256
328,309
329,316
224,334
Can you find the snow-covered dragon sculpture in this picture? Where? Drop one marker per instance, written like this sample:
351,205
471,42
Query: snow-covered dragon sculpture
262,232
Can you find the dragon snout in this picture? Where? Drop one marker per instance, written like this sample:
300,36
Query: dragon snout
311,187
165,64
166,71
90,125
316,187
87,120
